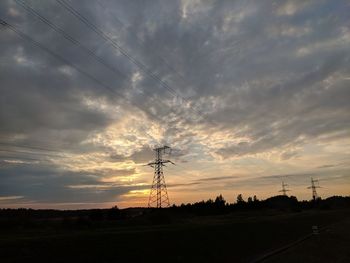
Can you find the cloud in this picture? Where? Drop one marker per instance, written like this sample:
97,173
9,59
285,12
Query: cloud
219,178
144,155
10,198
290,8
239,79
326,166
289,154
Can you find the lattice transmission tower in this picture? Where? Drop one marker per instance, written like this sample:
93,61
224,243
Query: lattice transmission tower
313,187
284,190
159,195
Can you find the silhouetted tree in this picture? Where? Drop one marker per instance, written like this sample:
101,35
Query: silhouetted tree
255,199
209,201
250,199
240,199
220,201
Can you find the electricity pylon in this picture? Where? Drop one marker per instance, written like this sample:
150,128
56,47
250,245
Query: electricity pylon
159,196
284,190
313,187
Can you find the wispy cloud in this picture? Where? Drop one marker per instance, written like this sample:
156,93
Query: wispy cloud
10,198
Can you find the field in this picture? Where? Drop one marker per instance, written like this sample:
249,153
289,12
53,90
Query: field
163,236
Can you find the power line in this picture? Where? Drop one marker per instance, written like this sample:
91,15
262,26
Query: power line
124,27
65,61
67,36
76,42
117,46
70,38
58,57
102,34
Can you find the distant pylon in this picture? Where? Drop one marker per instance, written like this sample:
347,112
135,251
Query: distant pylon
284,190
159,195
313,187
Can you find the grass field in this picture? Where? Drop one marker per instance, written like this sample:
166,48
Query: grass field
236,237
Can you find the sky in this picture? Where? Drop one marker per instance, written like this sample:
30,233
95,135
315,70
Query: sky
247,93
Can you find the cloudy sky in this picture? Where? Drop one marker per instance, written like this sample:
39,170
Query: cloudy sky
247,93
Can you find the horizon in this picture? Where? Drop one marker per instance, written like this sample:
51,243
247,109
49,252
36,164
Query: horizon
247,94
177,205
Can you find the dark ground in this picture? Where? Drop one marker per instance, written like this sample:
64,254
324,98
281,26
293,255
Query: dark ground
170,236
331,245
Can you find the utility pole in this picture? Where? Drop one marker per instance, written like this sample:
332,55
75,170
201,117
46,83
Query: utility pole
159,196
313,187
284,190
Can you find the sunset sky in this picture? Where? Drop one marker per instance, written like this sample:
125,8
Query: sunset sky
247,93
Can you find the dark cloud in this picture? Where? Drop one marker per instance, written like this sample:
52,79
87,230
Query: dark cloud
289,154
144,155
49,183
220,178
182,185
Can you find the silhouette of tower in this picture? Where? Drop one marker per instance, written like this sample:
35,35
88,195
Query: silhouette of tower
313,187
284,190
159,196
